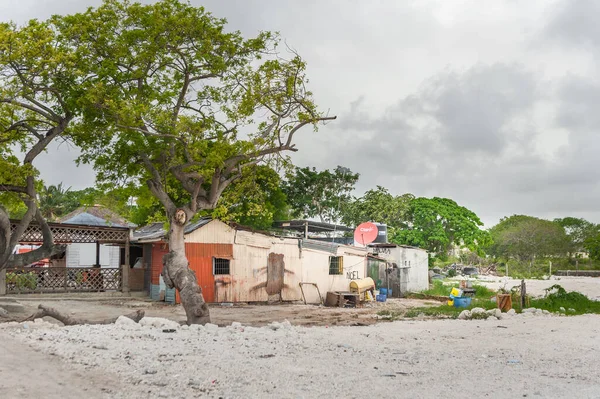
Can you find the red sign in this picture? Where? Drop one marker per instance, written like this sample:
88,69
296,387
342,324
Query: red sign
365,233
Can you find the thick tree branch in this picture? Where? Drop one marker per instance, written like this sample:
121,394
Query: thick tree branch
155,185
29,107
46,311
13,189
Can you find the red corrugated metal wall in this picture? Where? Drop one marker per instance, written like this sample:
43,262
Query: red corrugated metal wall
200,257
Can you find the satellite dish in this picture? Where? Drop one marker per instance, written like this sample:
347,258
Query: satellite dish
365,233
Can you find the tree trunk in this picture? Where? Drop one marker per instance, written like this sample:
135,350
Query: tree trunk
67,320
176,273
46,250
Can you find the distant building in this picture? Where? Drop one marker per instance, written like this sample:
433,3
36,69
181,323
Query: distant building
402,268
89,254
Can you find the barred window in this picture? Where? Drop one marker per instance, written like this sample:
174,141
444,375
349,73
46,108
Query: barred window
336,265
220,266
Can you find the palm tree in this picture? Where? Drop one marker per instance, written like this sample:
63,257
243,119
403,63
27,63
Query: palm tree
53,201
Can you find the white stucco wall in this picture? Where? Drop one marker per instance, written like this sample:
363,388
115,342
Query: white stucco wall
414,261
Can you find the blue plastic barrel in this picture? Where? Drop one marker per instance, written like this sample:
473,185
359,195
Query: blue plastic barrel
381,298
462,302
383,291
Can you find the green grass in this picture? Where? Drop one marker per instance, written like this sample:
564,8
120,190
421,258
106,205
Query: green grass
438,288
574,303
442,311
558,297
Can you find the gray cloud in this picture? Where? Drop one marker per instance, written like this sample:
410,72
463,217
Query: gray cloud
575,22
493,106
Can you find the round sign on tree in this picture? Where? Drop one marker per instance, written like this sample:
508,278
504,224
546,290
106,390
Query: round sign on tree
365,233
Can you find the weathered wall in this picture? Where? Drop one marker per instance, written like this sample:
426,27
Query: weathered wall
263,268
412,264
316,270
214,232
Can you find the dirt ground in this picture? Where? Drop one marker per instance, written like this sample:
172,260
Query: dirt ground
252,315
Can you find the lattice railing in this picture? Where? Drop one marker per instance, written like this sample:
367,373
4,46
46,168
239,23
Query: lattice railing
61,279
64,233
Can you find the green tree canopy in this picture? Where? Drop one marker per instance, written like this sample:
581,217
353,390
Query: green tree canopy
579,231
42,81
378,205
313,193
526,237
178,103
438,223
255,200
55,201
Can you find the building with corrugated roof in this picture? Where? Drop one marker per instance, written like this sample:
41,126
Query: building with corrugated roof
90,254
236,264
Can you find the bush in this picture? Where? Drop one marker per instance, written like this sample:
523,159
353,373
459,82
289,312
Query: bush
22,280
557,297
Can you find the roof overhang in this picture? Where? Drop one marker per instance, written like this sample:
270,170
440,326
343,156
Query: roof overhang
64,233
310,226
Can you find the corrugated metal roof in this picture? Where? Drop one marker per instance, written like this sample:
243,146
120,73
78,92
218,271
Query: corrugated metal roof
151,232
156,231
313,226
391,245
331,247
95,216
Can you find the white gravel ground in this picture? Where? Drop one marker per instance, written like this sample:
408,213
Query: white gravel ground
521,356
589,286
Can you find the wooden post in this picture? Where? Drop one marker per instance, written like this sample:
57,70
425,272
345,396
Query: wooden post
577,267
550,268
306,229
523,294
3,282
125,269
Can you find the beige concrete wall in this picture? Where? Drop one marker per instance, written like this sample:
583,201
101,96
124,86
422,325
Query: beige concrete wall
215,232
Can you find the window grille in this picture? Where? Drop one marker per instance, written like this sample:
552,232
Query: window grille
336,265
220,266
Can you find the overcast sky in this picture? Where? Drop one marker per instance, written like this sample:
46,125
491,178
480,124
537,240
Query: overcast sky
495,104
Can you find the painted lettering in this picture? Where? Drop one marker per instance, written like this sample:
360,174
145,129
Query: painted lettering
352,275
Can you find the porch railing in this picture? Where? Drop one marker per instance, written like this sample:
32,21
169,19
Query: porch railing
62,279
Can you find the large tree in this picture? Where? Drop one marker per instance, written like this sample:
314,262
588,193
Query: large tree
312,193
437,224
526,237
41,82
378,205
183,105
579,232
255,200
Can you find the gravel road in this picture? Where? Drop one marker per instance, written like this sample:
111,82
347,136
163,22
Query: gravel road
521,356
